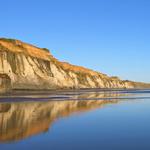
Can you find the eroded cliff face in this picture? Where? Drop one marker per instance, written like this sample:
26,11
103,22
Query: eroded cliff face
30,67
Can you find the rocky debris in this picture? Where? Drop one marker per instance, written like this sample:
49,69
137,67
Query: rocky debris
5,83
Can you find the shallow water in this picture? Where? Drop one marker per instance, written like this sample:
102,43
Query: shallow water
74,120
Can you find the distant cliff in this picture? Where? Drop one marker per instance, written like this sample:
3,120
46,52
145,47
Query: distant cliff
30,67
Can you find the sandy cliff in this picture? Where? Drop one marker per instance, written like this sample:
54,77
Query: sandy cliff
30,67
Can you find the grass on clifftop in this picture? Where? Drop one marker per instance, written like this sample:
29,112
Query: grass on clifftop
8,40
45,49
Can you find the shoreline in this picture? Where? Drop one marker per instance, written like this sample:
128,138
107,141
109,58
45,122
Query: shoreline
62,95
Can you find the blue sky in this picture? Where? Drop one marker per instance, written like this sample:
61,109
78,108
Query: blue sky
110,36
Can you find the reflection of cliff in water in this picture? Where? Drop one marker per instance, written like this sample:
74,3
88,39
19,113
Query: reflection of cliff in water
24,119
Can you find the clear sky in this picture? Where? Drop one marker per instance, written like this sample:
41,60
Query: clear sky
110,36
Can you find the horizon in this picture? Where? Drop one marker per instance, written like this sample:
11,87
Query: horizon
111,38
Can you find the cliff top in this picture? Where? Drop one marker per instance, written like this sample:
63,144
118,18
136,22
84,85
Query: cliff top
18,46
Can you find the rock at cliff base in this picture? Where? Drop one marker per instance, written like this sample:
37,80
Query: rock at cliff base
5,83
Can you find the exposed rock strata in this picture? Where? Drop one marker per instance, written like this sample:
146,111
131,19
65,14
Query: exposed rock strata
30,67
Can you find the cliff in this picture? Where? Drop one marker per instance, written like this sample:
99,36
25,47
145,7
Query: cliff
30,67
